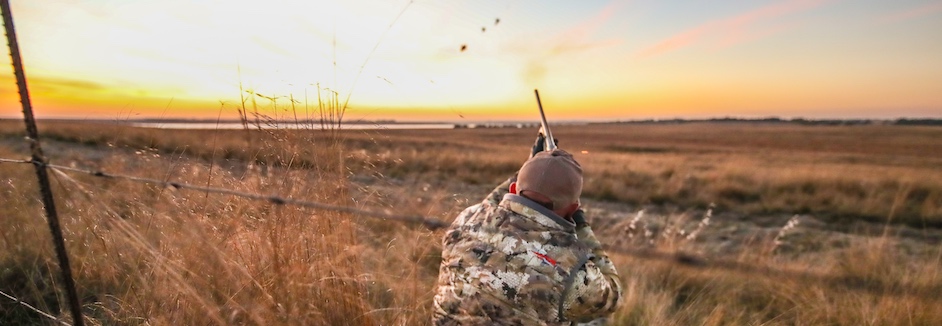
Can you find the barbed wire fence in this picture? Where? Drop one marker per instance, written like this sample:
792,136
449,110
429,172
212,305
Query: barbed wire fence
433,224
42,167
34,309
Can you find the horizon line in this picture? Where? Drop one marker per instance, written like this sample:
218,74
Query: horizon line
492,121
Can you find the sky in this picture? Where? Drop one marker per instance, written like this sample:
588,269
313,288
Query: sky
480,60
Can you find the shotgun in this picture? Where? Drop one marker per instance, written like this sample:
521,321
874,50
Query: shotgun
549,143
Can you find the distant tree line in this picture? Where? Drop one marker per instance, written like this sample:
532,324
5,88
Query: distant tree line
919,122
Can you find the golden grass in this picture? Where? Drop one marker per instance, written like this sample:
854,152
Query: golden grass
841,173
869,283
149,255
145,254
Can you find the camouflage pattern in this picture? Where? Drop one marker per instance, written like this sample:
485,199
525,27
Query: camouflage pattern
510,261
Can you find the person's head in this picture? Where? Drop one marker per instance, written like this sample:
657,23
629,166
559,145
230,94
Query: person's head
553,179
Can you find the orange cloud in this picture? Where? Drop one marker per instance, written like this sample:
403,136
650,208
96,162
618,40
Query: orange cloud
63,97
60,84
913,13
41,87
736,29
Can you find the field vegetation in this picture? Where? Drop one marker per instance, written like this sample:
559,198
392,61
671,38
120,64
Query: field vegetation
709,223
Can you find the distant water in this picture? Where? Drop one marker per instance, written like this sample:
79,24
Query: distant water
289,125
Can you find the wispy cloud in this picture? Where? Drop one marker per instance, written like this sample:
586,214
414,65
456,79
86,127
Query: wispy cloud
573,40
45,83
736,29
578,37
928,9
756,33
60,83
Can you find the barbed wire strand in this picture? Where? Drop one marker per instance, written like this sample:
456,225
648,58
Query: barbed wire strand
34,309
432,224
139,238
678,258
7,160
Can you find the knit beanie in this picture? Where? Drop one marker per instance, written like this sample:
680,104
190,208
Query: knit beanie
554,174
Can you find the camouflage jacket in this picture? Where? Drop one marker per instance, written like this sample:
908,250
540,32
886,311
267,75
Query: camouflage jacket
510,261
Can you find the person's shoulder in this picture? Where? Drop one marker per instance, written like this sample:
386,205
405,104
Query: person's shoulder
471,210
468,214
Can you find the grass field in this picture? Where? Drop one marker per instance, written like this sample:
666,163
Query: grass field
867,201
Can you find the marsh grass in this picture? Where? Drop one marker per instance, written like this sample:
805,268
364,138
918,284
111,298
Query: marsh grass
841,174
870,281
152,255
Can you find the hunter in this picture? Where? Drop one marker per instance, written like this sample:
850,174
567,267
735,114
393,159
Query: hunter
525,255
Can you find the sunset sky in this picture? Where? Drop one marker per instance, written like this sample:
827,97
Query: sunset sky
399,59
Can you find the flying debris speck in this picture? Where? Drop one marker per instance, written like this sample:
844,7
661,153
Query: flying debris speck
496,21
464,47
483,29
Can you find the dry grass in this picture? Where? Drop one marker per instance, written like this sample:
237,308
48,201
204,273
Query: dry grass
862,281
149,255
840,173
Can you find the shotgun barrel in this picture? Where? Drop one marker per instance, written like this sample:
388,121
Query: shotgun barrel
549,142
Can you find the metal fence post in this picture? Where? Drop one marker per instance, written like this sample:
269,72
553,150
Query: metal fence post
39,162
